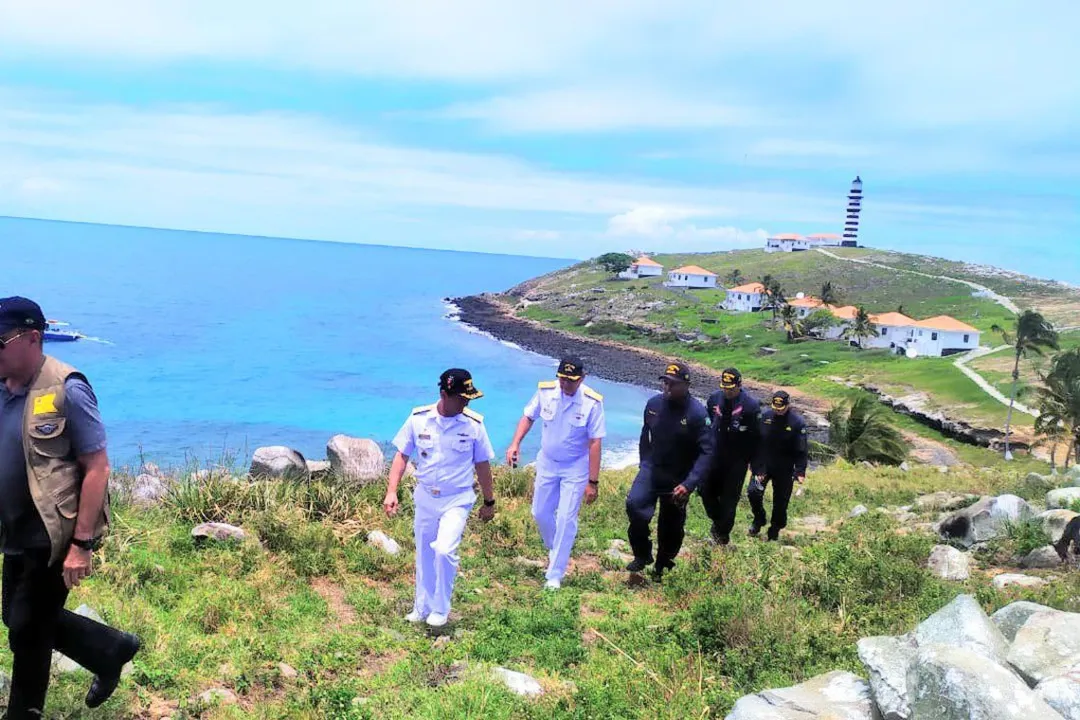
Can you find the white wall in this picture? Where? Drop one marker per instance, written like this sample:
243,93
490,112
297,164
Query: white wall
894,335
933,343
743,301
691,281
650,271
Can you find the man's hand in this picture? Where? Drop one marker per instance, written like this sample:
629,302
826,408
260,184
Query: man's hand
487,512
78,565
591,491
680,493
800,479
390,504
512,454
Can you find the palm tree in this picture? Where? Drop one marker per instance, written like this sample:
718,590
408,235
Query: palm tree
774,295
862,327
735,278
829,295
792,322
1031,334
1059,403
863,430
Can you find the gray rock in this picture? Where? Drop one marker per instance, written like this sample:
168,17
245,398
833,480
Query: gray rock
218,531
384,542
948,563
858,510
943,500
356,460
1054,522
218,696
148,490
833,696
1062,693
278,461
1073,474
886,660
952,683
318,468
985,520
287,671
1036,483
962,623
1047,645
519,683
1012,617
1044,557
904,466
1062,497
812,523
151,469
1005,580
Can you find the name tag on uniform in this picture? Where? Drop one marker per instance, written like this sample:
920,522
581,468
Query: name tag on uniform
45,404
424,436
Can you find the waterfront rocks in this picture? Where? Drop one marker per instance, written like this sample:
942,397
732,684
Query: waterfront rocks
1047,645
1005,580
356,460
833,696
948,563
318,469
1041,558
278,462
218,531
1062,497
984,520
148,490
886,660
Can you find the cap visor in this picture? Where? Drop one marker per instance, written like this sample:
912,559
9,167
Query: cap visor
568,377
472,395
729,386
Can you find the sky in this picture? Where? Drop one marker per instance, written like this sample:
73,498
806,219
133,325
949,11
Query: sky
555,128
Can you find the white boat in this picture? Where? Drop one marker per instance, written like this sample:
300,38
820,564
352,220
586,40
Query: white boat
55,332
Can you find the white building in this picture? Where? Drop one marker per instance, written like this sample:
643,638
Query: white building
691,276
891,330
745,298
805,305
845,316
786,242
641,268
943,335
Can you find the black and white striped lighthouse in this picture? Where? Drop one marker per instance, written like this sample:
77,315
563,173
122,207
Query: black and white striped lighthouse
854,205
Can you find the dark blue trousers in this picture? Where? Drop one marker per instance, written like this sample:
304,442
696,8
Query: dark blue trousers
641,503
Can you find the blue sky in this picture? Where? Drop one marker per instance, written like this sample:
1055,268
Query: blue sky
552,128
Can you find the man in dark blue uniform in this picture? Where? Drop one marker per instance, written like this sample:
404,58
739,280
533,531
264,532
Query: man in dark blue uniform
782,457
735,418
675,451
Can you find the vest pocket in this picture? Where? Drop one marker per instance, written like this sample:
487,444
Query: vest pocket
47,437
68,505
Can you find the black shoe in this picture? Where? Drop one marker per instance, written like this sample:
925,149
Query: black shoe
638,564
774,536
660,568
754,530
718,538
103,686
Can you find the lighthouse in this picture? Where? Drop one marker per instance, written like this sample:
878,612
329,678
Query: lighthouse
851,224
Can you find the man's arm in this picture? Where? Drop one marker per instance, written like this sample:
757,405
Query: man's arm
595,452
513,453
95,472
645,441
405,444
87,434
802,452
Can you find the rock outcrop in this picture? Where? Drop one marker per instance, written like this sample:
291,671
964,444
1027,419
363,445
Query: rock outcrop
278,462
1062,497
358,461
948,563
833,696
985,520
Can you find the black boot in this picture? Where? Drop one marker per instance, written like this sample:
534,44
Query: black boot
661,567
717,537
103,686
638,564
754,530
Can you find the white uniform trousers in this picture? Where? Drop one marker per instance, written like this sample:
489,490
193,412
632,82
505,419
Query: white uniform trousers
437,529
557,495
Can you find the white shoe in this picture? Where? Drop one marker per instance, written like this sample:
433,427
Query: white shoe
553,585
414,617
436,619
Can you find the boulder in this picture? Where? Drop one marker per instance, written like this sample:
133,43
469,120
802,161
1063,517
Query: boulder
985,520
218,531
951,683
857,511
148,490
1062,693
943,500
1073,474
1047,645
1054,522
318,468
886,660
387,544
948,563
1062,497
1041,558
962,623
278,461
356,460
833,696
519,683
1005,580
1012,617
1035,483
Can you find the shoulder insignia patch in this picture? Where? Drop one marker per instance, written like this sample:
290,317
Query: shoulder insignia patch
472,415
547,384
589,392
422,409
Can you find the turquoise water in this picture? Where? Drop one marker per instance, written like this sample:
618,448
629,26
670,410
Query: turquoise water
210,344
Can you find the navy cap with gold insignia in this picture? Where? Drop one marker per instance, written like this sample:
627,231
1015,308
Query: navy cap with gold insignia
676,371
456,381
571,368
780,400
730,379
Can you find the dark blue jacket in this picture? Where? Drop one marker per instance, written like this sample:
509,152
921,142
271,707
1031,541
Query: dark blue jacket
783,450
736,427
676,442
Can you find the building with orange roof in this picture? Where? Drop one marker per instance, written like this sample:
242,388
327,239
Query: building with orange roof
804,305
643,267
944,335
691,276
749,297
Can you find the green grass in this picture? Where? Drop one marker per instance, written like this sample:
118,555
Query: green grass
306,590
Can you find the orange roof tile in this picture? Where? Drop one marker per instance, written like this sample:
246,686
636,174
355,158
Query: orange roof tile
847,312
892,318
786,236
646,261
810,302
945,322
693,270
754,287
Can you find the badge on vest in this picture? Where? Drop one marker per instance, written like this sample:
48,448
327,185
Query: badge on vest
45,404
47,428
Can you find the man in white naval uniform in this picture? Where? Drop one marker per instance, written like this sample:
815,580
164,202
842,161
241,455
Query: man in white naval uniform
568,464
447,441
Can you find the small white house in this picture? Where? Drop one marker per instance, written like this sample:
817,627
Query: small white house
805,305
786,242
745,298
891,330
641,268
943,335
845,316
691,276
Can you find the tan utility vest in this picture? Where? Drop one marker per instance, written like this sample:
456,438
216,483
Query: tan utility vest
51,468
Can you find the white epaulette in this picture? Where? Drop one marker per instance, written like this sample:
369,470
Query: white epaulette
547,384
473,415
589,392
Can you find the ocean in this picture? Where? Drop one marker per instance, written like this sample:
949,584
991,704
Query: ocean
204,346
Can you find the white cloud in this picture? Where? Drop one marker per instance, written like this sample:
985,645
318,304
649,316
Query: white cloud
650,220
667,227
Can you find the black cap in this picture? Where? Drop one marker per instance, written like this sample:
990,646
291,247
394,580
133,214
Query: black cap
676,371
730,378
18,312
456,381
780,400
571,368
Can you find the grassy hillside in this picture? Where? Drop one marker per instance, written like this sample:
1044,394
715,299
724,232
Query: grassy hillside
306,590
640,311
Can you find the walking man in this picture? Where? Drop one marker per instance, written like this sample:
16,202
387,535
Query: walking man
54,473
449,443
568,464
735,418
781,459
675,451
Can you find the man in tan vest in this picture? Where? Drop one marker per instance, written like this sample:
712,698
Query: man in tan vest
54,474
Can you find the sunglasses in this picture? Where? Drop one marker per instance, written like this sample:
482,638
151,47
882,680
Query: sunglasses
4,342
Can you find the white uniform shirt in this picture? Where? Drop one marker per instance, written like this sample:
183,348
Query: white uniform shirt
570,422
444,450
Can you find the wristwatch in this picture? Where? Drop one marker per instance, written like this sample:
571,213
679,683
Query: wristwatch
91,544
594,482
489,503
